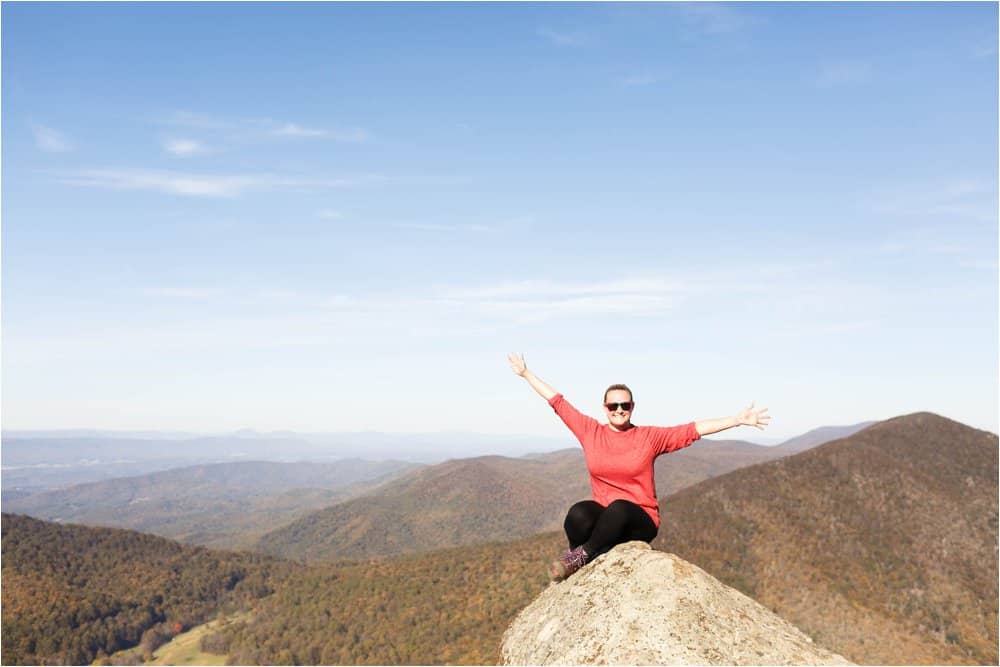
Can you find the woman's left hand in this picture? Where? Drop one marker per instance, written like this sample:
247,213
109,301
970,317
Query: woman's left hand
751,417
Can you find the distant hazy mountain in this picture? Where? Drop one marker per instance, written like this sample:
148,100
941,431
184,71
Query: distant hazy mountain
467,501
225,504
44,460
882,545
39,463
819,436
457,502
21,451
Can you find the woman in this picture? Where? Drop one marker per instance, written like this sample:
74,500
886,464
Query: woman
620,459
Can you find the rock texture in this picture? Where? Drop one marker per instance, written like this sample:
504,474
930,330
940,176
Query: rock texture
637,606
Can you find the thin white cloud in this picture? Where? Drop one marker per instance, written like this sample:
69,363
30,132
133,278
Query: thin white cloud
952,245
50,140
276,294
541,309
183,292
197,120
537,288
640,79
538,300
330,214
798,332
249,129
311,317
347,135
712,18
431,227
563,38
293,130
981,265
844,73
185,147
984,51
968,198
196,185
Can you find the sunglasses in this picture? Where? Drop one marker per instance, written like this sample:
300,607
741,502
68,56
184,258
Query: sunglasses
626,406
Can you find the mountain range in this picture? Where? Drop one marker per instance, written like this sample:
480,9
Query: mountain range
881,545
231,505
225,505
467,501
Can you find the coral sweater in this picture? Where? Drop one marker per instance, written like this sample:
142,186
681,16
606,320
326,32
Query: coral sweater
621,462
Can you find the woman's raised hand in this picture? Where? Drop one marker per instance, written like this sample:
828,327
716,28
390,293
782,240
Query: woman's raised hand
751,417
517,364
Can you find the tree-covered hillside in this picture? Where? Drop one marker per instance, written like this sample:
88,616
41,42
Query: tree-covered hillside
72,593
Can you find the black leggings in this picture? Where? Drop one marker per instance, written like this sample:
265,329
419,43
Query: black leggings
599,528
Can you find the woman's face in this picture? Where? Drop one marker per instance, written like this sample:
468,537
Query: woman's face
615,404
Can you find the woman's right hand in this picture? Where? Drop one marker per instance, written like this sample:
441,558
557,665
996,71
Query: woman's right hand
517,364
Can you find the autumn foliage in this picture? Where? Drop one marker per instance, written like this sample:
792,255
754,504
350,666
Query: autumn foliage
74,593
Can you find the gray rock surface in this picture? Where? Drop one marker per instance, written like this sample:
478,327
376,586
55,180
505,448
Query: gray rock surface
637,606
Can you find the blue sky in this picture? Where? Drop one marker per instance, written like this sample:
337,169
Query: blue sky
343,217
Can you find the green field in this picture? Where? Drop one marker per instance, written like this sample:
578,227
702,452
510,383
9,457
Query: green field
184,649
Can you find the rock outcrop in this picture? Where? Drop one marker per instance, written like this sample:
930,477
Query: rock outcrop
637,606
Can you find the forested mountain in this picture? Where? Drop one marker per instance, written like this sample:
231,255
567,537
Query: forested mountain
224,505
882,545
444,607
458,502
74,593
469,501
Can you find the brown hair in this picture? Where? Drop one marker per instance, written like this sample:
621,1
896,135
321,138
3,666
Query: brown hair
618,386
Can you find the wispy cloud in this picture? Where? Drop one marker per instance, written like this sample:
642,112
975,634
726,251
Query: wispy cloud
979,264
197,185
641,79
205,121
185,147
967,198
259,128
924,244
560,38
183,292
984,50
535,288
844,73
49,140
347,135
283,295
711,18
318,318
534,300
432,227
330,214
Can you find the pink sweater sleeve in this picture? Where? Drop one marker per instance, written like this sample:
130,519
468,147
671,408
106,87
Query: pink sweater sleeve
668,439
580,424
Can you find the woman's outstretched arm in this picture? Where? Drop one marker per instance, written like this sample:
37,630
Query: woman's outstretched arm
748,417
520,368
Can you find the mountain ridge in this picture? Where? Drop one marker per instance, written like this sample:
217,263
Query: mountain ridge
419,511
892,530
219,504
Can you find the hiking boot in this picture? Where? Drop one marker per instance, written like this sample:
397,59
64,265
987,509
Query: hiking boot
571,561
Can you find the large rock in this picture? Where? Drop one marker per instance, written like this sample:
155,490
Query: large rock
634,605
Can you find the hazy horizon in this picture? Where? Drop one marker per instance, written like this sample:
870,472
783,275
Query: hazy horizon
564,440
325,217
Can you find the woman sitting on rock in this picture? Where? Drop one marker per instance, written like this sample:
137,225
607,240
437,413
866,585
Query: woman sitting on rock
619,459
